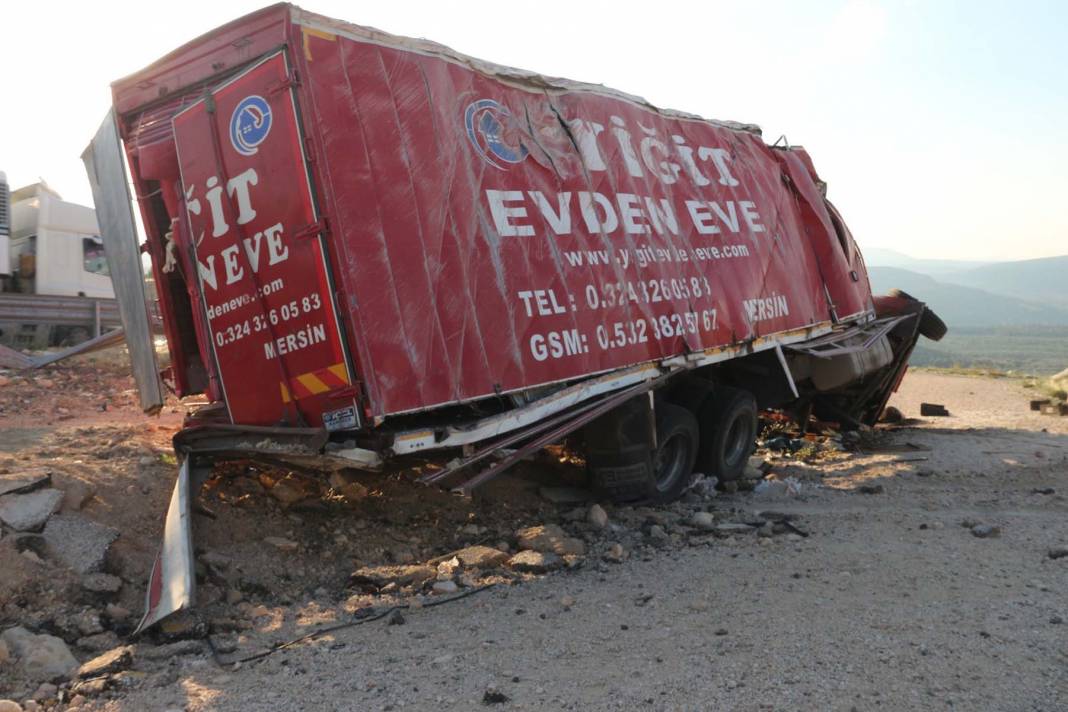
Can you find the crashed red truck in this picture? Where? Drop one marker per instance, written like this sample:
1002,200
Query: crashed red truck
368,247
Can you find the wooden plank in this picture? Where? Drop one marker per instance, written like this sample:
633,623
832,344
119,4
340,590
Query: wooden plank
107,177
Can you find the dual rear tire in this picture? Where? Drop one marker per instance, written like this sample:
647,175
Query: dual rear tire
717,441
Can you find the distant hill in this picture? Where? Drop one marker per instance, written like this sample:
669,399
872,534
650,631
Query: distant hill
967,307
1043,280
881,257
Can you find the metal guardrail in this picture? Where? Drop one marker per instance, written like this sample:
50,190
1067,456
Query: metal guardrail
60,311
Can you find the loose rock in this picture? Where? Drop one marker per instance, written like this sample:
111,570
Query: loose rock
597,516
535,562
41,657
101,583
99,642
348,486
703,520
76,494
288,491
615,553
10,706
1058,552
112,661
550,538
171,650
732,528
371,579
985,531
480,557
444,587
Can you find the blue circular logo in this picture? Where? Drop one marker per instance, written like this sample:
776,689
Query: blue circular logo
493,133
250,124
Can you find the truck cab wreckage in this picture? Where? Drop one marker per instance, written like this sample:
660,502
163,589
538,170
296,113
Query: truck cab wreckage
369,248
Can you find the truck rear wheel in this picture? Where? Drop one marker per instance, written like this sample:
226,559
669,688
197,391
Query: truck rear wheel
728,433
624,466
677,442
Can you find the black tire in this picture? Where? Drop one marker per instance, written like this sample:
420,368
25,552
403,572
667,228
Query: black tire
728,433
623,465
677,442
931,325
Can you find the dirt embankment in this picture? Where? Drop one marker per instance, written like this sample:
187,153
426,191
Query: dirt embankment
914,569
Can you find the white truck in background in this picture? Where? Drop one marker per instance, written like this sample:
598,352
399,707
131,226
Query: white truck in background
55,288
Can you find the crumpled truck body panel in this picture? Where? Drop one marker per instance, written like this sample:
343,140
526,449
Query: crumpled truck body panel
366,225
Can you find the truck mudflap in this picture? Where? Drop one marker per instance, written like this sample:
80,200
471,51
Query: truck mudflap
172,584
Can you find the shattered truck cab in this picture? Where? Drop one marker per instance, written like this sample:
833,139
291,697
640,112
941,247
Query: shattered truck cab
368,247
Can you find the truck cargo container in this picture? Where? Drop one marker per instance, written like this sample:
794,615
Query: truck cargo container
368,247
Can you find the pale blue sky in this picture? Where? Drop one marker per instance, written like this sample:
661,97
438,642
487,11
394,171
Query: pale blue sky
940,126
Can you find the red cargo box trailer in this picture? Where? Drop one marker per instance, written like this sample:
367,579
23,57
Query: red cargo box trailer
367,246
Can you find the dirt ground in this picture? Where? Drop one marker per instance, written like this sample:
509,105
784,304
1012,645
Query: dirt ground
912,570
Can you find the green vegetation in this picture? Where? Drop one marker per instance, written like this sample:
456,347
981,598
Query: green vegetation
1032,350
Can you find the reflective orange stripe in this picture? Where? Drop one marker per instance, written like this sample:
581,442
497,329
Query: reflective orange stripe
313,383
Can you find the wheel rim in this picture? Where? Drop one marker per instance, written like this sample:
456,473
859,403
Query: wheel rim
668,462
737,441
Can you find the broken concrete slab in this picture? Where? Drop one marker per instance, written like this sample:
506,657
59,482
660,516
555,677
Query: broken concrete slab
28,512
23,482
42,658
78,542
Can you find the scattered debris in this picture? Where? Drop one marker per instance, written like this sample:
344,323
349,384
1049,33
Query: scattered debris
493,696
777,489
933,410
1059,409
